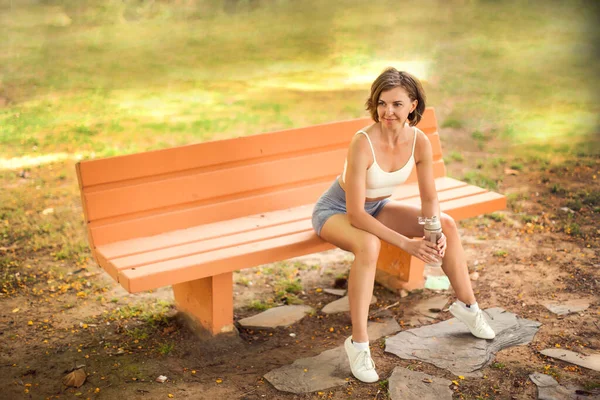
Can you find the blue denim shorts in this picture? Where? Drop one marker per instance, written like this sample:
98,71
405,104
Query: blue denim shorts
333,201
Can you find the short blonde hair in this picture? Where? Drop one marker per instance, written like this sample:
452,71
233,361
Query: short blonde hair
391,78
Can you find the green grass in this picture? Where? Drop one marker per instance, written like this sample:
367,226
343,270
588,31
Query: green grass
496,216
109,77
259,305
479,178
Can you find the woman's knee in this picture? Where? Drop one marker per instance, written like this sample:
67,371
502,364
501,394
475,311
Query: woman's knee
367,248
448,224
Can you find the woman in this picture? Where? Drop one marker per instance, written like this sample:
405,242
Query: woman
356,212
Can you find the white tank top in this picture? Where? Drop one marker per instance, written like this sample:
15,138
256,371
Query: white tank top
379,182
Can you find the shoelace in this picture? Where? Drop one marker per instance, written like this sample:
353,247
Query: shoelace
367,361
479,322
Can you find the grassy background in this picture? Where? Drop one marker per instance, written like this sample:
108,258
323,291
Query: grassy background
514,84
113,76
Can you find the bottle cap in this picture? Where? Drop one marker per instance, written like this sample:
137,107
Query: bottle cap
432,223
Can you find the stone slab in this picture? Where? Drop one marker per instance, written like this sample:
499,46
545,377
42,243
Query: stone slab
274,317
450,345
326,370
591,361
406,384
549,389
341,305
567,307
337,292
425,311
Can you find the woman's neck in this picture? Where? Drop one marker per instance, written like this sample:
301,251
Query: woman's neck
392,137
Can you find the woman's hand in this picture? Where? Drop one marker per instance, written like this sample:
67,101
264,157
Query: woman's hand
424,250
442,245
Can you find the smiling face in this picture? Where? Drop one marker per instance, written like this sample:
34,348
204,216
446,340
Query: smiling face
394,106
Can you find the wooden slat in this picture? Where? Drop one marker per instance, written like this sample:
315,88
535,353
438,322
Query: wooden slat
203,231
224,260
159,193
184,248
170,192
211,245
155,222
220,152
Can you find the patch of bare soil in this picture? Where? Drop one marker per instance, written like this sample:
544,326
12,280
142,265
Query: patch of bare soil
59,316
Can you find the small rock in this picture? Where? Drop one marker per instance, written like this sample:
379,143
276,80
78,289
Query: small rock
48,211
474,275
341,305
567,307
407,384
549,389
337,292
591,361
274,317
567,209
292,334
161,379
403,293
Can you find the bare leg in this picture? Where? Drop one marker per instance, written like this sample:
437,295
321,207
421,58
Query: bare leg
454,262
365,246
403,219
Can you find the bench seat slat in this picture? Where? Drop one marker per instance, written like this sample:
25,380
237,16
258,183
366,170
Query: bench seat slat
243,224
183,248
461,202
213,244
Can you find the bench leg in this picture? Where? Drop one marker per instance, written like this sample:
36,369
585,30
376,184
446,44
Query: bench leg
209,301
397,270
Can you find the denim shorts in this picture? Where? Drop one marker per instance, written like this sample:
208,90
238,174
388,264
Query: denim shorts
333,201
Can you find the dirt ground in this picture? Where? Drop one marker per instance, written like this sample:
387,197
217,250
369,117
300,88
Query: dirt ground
58,315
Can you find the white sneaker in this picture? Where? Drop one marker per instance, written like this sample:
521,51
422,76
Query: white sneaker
475,321
361,363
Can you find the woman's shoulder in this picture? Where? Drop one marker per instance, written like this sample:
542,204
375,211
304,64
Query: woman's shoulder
369,129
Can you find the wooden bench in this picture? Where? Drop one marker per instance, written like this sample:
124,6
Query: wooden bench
192,215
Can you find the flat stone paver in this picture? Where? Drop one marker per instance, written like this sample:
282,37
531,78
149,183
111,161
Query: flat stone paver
425,311
274,317
337,292
406,384
328,369
341,305
591,361
450,345
567,307
549,389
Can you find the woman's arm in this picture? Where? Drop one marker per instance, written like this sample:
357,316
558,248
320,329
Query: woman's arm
359,159
430,205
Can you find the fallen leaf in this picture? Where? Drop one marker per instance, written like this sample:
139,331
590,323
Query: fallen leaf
219,380
15,310
509,171
75,378
427,380
48,211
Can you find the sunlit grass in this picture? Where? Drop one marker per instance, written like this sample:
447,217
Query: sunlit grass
112,78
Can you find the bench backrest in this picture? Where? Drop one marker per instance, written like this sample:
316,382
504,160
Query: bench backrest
148,193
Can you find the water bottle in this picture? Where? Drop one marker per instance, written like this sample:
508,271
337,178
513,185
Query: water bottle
434,275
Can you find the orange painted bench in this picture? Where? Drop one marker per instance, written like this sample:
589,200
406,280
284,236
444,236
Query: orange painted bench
189,216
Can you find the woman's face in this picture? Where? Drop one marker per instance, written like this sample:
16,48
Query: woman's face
394,106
